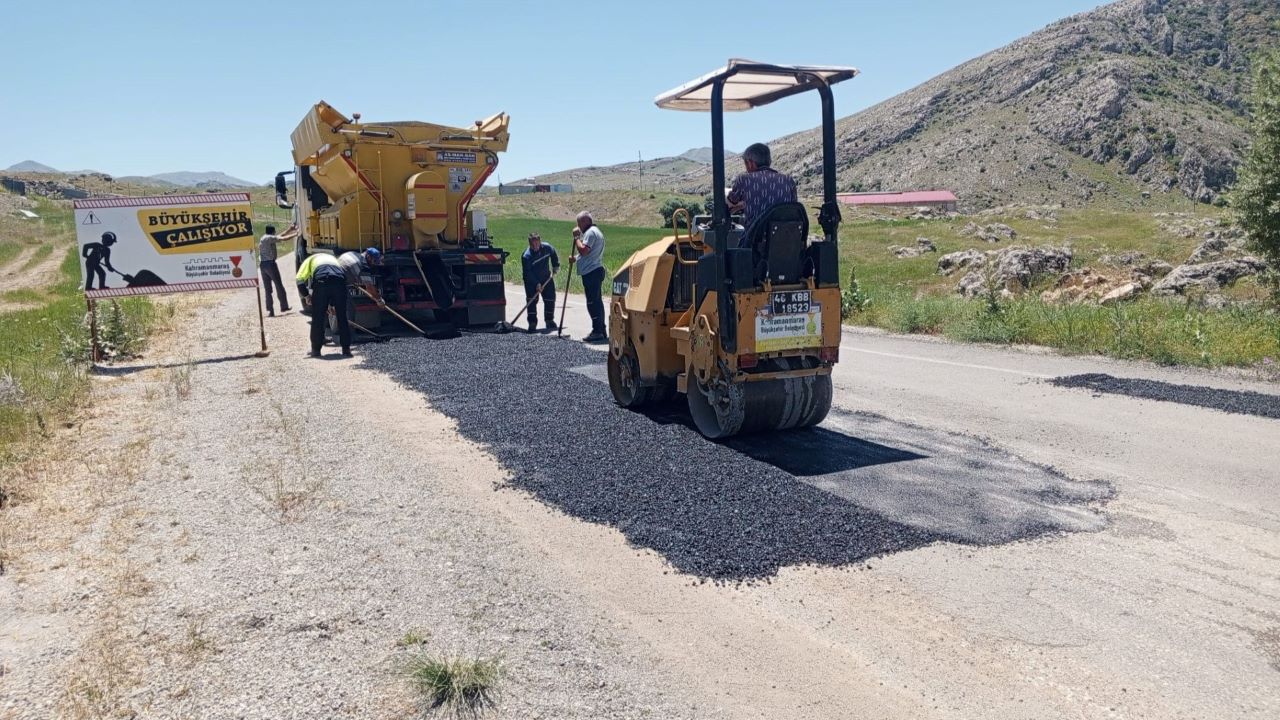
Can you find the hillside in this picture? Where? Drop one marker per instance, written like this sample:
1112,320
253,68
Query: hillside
1139,95
665,173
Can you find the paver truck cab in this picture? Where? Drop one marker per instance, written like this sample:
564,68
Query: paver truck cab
404,188
744,321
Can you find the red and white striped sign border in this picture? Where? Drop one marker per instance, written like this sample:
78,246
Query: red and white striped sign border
206,199
170,289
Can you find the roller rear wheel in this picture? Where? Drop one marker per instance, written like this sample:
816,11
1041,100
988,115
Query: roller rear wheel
624,380
722,410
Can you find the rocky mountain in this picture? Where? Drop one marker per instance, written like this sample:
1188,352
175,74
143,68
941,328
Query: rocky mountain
202,180
1136,96
699,155
31,166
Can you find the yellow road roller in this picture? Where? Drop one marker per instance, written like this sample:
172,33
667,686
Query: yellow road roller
744,321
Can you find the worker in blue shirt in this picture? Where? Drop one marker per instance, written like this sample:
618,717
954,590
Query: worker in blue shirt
540,265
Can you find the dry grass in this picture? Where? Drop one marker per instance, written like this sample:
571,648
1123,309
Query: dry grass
106,669
287,480
196,643
180,380
414,637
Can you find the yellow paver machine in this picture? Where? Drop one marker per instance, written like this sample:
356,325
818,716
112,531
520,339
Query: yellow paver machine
405,188
745,321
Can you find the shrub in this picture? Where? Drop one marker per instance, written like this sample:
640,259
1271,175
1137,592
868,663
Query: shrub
1256,197
467,687
669,208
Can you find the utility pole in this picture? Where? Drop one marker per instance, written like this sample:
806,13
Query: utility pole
640,160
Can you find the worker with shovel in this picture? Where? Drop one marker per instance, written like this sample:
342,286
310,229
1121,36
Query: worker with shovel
540,265
322,283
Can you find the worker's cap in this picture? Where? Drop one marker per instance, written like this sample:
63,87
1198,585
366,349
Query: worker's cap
534,236
373,252
109,236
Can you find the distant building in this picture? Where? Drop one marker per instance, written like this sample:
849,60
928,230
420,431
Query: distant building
522,189
941,199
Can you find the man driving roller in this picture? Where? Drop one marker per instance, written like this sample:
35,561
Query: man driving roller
760,187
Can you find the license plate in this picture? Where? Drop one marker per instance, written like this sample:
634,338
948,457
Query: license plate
487,277
792,302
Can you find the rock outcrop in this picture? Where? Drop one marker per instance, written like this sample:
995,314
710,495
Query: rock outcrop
1013,269
1209,277
923,245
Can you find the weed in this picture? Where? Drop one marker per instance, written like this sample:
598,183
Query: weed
853,300
196,642
121,334
106,670
414,636
283,480
180,379
466,687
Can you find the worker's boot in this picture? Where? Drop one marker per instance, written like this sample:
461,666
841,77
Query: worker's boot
552,326
533,328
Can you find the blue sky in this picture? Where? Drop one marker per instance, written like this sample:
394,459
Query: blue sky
137,88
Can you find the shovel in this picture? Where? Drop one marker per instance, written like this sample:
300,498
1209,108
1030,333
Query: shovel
382,304
510,325
564,306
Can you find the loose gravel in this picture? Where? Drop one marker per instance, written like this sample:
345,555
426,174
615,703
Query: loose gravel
1239,402
740,510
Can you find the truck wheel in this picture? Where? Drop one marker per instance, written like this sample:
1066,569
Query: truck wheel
624,379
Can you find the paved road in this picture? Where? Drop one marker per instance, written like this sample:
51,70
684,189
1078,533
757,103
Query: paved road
1168,607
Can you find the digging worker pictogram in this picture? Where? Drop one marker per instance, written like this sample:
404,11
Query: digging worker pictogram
97,254
540,263
322,283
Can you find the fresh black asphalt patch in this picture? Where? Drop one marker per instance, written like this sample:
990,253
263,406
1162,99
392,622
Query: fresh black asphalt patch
1239,402
857,487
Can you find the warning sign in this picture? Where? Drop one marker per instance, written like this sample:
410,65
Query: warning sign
166,244
789,332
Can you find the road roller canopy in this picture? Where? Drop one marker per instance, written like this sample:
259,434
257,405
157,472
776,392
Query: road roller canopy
749,84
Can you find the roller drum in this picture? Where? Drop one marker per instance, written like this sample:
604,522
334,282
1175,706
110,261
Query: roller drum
729,409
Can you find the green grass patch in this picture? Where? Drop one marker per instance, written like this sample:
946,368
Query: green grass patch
465,687
9,250
1171,333
44,351
24,295
41,253
909,296
44,358
620,241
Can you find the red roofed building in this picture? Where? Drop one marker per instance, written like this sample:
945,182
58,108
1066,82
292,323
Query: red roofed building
943,199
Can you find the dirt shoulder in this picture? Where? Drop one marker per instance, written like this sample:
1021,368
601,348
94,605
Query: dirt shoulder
241,537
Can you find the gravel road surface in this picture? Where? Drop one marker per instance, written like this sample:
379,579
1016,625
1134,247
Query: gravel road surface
230,537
